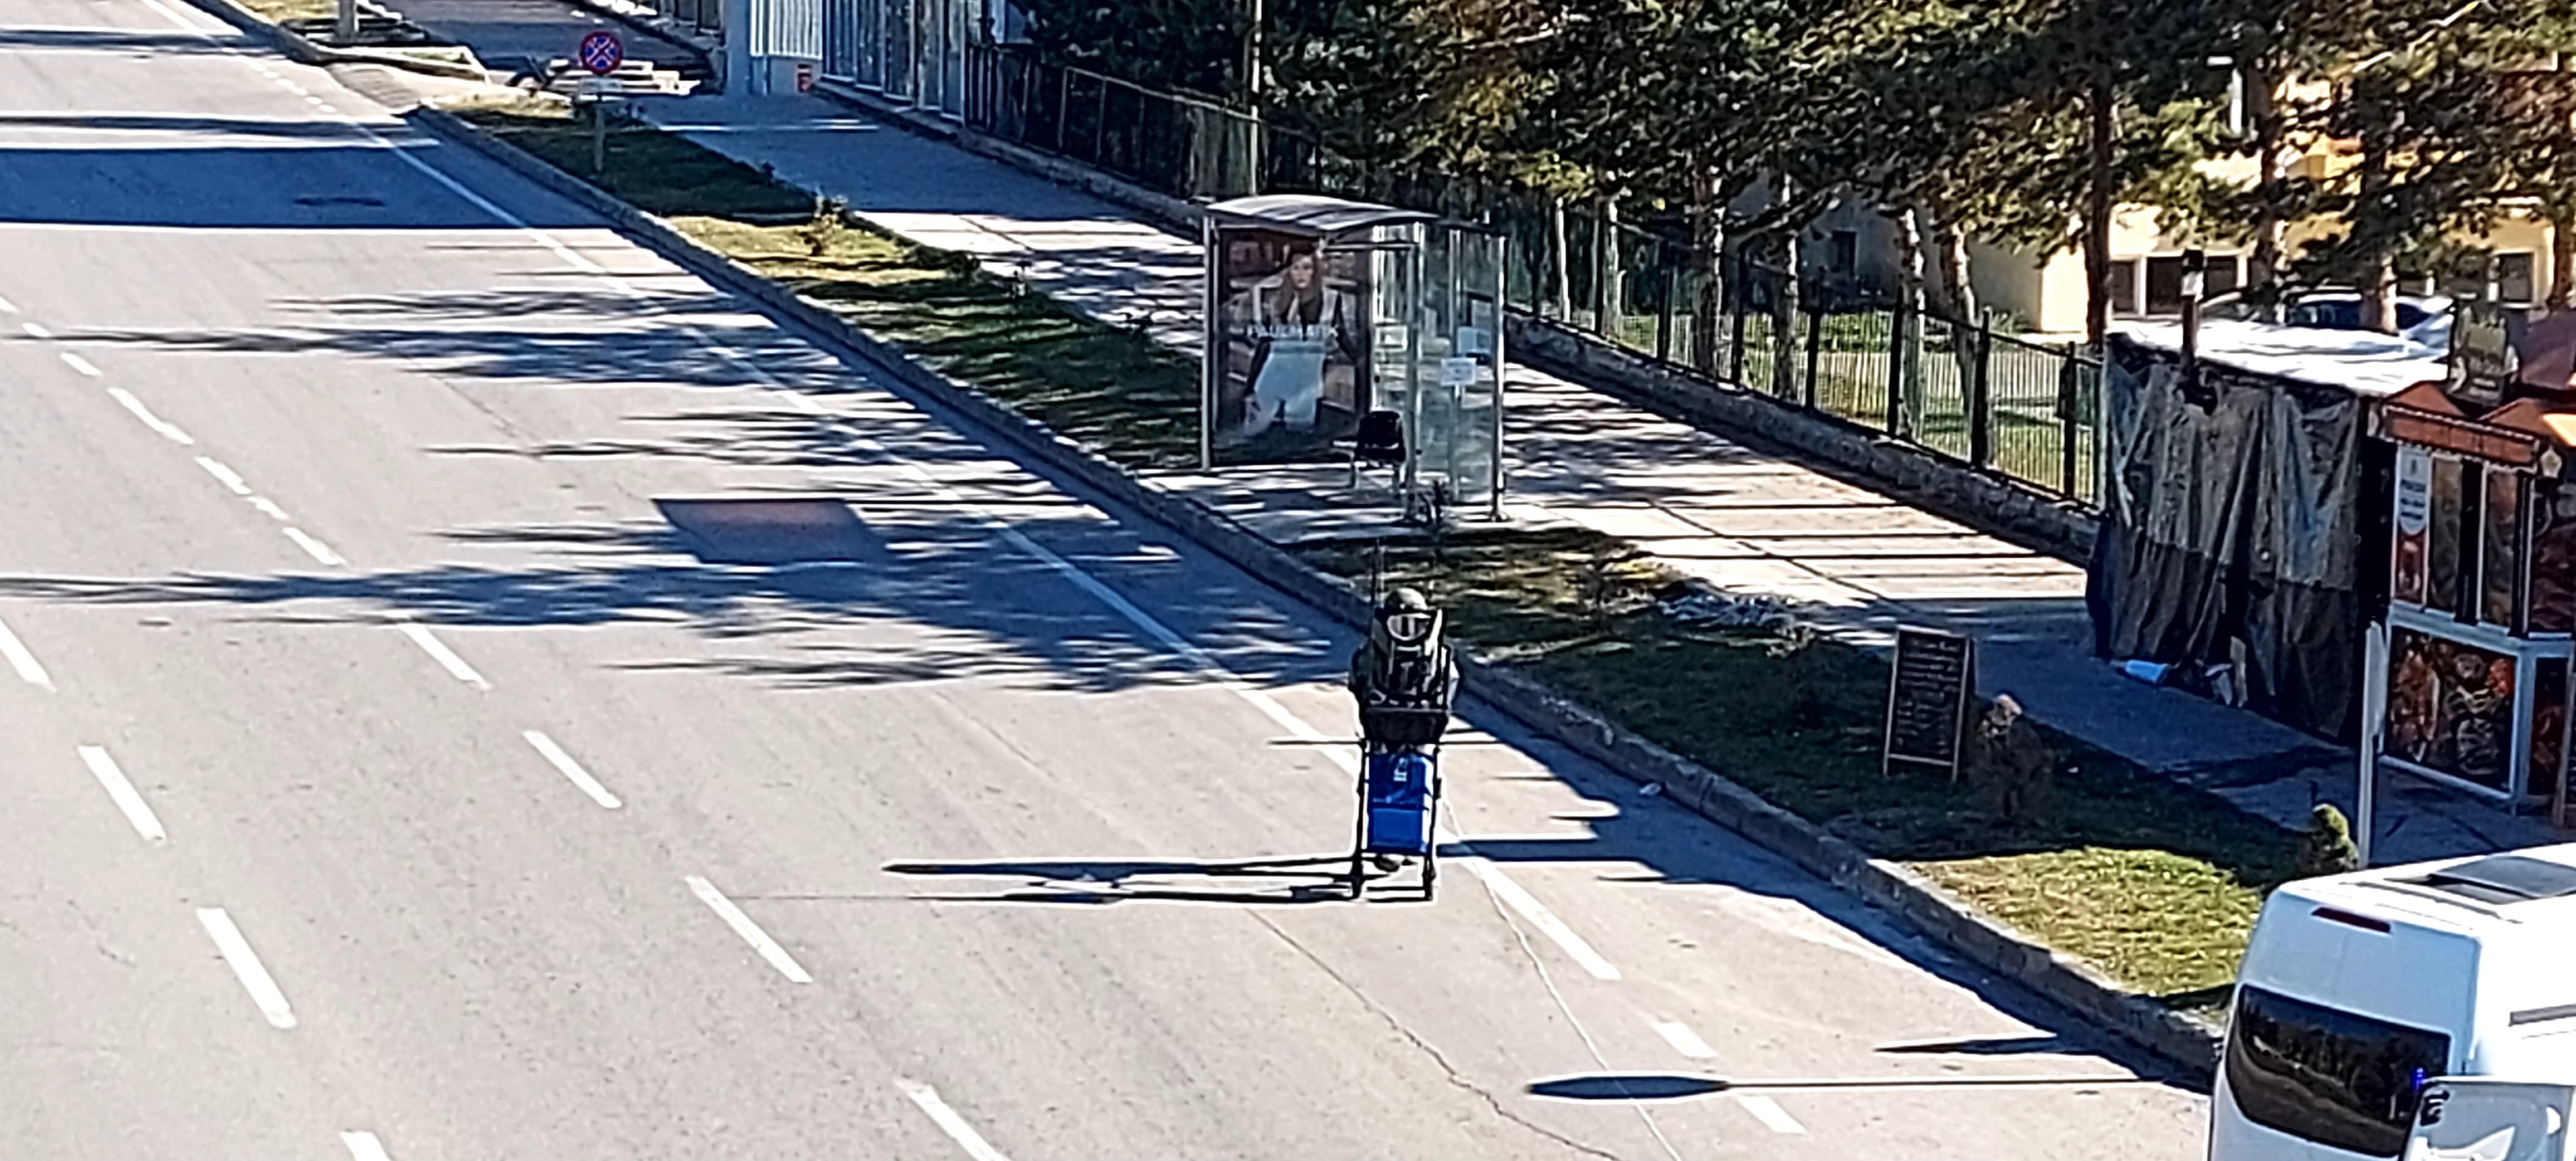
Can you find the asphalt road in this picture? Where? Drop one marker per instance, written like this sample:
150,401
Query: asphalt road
470,691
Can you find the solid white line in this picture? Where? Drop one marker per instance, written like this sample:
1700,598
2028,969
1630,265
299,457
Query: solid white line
254,978
955,1126
122,791
35,330
1545,920
79,364
268,506
155,422
571,769
439,652
22,660
1769,1112
749,931
318,550
365,1147
1684,1040
229,478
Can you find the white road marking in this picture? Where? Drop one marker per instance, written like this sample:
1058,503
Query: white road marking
1684,1040
949,1122
122,792
319,551
155,422
268,506
571,769
230,478
84,366
365,1147
254,978
324,107
439,652
1543,919
22,660
313,99
35,330
749,931
8,307
1769,1112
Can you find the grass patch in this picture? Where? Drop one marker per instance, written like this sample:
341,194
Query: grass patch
2154,883
281,11
1111,389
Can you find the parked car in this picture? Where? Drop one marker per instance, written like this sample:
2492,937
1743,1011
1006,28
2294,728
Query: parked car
2422,320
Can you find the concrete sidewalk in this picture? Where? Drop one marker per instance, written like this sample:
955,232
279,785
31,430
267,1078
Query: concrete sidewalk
1856,562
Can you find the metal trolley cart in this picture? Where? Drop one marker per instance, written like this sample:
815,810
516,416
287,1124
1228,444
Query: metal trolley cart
1399,800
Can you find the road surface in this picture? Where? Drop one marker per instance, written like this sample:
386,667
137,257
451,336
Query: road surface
471,691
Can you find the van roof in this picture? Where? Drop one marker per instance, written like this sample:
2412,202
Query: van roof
2466,894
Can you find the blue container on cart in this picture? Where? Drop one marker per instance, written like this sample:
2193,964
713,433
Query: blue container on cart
1400,793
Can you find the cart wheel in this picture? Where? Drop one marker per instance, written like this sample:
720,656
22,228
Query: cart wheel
1430,874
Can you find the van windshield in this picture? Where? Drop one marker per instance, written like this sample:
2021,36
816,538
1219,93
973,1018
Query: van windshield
2333,1077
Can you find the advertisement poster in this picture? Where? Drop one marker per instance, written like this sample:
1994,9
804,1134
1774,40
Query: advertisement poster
1293,379
2414,516
2553,558
2450,707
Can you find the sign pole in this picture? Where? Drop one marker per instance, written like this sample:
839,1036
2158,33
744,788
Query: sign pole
600,52
599,136
345,26
2374,717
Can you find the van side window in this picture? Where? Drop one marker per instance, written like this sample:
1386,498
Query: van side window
2333,1077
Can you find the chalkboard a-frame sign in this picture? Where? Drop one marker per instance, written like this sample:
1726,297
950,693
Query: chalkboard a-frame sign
1927,699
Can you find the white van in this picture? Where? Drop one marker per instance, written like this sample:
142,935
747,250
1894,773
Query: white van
2359,989
2481,1119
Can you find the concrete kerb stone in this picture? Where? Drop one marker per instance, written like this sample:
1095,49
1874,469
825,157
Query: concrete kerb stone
1888,886
304,50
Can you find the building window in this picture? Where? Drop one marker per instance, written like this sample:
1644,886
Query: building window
2124,288
2514,275
2164,285
2226,272
1843,251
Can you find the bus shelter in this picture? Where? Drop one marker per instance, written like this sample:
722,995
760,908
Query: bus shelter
2467,679
1332,324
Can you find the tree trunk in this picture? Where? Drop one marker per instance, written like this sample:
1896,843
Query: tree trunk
2099,199
1707,238
1950,251
1608,286
2379,280
2267,266
2562,257
1560,269
1910,278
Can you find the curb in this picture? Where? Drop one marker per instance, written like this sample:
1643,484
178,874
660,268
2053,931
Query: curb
304,50
2187,1042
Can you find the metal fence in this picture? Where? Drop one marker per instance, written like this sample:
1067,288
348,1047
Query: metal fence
1990,400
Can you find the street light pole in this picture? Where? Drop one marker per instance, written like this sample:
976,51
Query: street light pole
345,28
1252,96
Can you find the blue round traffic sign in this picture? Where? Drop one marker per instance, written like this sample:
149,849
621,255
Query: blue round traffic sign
601,52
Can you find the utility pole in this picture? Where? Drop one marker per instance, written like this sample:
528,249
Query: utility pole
1252,96
345,28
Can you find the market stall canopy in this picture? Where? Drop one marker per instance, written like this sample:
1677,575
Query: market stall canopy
1312,214
2365,363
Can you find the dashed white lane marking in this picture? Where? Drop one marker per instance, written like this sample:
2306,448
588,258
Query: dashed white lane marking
570,769
949,1122
1684,1040
313,99
22,660
121,790
439,652
268,506
1544,920
84,366
1772,1116
749,931
167,430
324,106
35,330
364,1146
322,552
8,307
246,967
228,477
